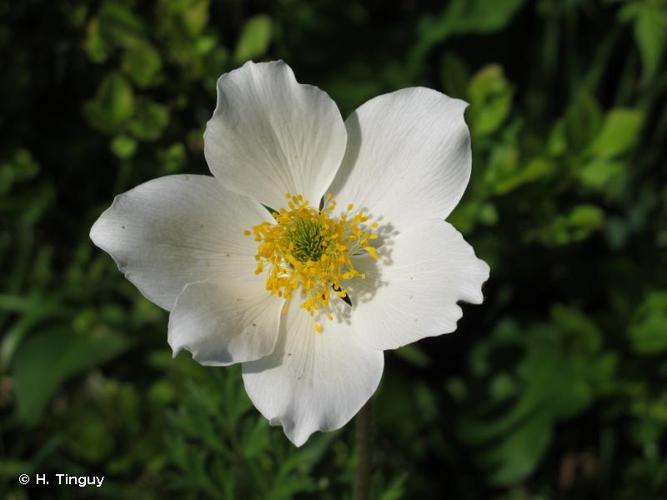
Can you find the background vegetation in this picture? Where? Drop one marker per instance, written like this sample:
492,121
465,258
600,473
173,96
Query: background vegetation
554,388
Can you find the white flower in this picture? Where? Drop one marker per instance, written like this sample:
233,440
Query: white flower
271,290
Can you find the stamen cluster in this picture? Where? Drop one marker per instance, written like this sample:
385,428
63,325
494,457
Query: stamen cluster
312,249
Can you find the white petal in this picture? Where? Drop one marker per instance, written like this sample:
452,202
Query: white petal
176,230
221,325
270,135
408,156
412,291
313,381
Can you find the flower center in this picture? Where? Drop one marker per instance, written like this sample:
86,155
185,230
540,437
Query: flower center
305,239
312,250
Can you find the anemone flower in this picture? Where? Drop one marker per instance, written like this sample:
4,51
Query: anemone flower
316,245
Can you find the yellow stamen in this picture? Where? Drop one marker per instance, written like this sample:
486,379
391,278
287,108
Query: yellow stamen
311,250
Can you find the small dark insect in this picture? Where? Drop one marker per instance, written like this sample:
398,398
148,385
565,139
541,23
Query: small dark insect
346,298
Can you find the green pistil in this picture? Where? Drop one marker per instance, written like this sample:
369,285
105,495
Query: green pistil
307,241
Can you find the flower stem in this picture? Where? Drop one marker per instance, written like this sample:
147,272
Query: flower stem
362,480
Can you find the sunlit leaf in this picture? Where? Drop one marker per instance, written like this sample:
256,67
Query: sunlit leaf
619,132
490,100
142,63
123,146
533,170
650,31
254,39
113,104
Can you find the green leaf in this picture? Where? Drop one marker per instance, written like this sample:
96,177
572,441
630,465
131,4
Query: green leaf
648,332
560,370
173,158
458,17
20,166
47,359
349,92
395,490
194,15
478,16
650,32
578,324
12,468
576,225
557,140
490,100
619,132
94,45
454,75
533,170
92,440
142,63
413,355
587,217
605,176
35,310
502,386
123,146
650,336
112,105
254,39
468,16
488,214
464,216
599,173
519,453
149,121
118,25
582,122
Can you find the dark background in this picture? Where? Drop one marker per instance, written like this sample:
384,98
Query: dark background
553,388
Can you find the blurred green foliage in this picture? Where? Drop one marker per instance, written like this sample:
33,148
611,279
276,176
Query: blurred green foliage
554,388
